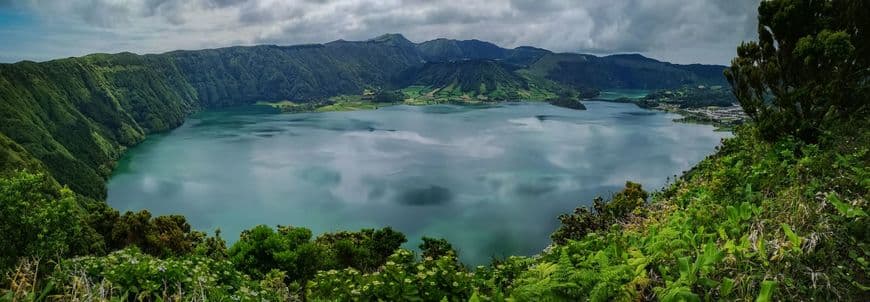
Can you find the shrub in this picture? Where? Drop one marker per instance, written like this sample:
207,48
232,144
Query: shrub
436,248
161,236
365,250
602,215
130,274
391,96
400,279
289,250
41,221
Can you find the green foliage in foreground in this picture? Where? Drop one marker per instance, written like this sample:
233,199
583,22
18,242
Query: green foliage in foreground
749,222
40,221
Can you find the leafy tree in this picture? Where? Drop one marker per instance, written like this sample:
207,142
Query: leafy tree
384,242
603,214
393,96
161,236
365,250
808,68
624,202
289,249
39,220
436,247
213,247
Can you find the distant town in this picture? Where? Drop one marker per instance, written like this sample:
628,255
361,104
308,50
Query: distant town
714,105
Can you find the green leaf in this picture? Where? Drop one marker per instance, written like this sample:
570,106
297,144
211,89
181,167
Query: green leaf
794,238
707,282
474,297
762,250
45,291
845,209
725,287
684,267
766,293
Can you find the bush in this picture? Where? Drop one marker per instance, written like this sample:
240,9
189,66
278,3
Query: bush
391,96
289,249
400,279
365,250
133,275
436,247
161,236
603,214
41,221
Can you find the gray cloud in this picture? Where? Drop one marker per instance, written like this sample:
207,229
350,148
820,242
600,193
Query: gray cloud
684,31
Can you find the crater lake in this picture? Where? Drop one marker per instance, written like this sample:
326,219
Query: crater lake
490,179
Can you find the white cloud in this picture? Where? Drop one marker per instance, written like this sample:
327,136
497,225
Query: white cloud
684,31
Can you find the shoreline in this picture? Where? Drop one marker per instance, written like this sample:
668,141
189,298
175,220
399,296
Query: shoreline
293,107
687,115
691,115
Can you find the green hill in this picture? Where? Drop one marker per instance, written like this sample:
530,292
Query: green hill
443,50
478,80
623,72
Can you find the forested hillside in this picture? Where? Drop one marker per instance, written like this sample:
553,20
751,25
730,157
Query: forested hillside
77,115
481,80
623,71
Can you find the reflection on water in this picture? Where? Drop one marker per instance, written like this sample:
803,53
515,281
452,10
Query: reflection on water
490,179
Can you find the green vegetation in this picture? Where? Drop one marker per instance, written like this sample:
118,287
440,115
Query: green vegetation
478,81
690,97
779,212
568,103
347,106
581,71
801,76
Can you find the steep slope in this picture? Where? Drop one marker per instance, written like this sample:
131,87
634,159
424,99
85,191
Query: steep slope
76,115
623,71
480,79
243,75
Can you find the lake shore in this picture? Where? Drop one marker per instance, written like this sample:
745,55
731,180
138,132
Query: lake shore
723,118
355,105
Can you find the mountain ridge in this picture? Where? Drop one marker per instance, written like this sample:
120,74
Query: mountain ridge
375,39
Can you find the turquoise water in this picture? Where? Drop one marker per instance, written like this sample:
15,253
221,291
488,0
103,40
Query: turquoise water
492,180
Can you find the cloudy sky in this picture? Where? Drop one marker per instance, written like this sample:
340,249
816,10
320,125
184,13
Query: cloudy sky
683,31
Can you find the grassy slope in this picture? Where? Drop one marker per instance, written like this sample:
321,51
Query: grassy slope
752,219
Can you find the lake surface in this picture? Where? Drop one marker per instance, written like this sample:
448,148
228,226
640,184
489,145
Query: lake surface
492,180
